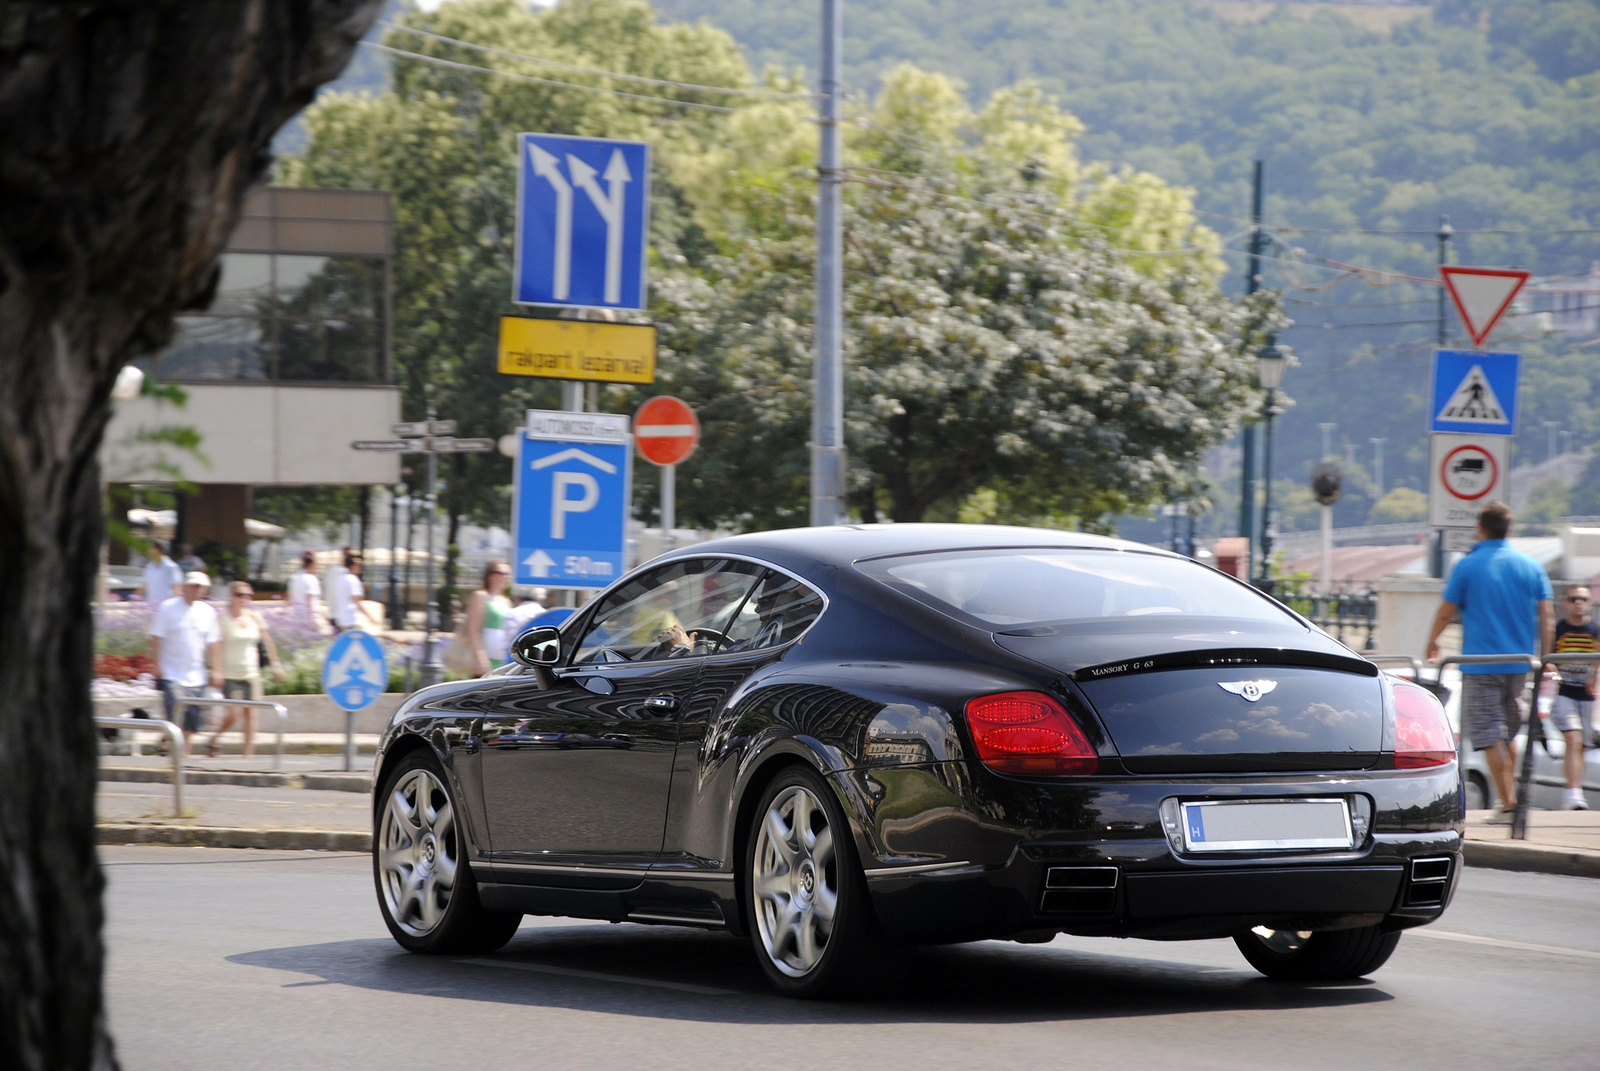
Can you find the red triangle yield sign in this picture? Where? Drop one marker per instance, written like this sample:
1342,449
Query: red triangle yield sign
1482,296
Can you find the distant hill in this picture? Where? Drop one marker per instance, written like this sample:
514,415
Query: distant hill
1368,117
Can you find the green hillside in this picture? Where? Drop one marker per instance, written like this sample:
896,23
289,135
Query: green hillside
1487,110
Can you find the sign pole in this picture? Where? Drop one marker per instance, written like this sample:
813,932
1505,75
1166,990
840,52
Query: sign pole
667,432
669,507
432,668
1327,550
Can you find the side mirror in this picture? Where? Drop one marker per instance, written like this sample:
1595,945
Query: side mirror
537,647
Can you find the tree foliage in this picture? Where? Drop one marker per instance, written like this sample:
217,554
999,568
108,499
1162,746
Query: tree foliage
996,344
1018,322
1485,110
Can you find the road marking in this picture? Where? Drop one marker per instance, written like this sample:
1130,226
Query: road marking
1495,942
601,976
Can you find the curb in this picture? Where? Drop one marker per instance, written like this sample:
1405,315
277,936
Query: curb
326,781
304,840
1531,858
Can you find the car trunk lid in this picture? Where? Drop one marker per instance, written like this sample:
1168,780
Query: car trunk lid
1220,708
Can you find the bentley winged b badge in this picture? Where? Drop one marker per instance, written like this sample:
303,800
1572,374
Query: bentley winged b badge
1251,690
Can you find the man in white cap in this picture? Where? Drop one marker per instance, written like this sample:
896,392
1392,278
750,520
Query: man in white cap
186,646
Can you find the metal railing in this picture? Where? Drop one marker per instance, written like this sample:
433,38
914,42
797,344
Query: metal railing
1414,663
174,737
256,704
1339,614
1519,820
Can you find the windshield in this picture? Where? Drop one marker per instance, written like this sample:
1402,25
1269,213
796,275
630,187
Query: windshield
1012,590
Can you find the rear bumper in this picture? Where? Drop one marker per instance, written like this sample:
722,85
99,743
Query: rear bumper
1085,874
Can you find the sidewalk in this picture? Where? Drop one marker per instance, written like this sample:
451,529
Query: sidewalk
234,816
1559,842
313,804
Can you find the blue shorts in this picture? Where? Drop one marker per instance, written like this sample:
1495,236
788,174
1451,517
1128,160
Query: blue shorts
173,693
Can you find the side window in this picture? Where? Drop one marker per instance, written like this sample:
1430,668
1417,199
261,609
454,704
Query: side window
780,610
680,609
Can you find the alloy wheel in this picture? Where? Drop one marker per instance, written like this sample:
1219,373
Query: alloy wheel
417,859
796,881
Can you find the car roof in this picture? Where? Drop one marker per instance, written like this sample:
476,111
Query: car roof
845,543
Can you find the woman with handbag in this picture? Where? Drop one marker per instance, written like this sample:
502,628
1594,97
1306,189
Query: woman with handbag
486,619
245,638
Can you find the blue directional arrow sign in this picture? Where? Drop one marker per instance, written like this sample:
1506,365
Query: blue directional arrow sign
570,510
1474,393
583,219
355,672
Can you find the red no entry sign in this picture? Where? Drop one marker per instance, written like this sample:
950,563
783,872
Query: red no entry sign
666,430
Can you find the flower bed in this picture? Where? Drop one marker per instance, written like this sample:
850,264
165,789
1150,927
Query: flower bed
123,668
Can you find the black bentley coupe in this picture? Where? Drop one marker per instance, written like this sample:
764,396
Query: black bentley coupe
838,740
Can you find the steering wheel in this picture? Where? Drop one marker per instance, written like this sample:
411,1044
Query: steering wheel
707,636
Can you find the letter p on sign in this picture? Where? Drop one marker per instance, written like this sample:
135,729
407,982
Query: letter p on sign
562,504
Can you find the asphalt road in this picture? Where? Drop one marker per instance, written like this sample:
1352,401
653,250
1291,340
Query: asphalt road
251,959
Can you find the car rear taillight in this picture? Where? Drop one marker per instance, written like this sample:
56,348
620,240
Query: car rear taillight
1422,735
1028,733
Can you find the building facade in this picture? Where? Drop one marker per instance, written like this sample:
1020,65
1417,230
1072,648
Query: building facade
291,361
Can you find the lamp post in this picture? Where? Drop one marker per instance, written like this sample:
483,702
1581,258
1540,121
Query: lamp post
1271,363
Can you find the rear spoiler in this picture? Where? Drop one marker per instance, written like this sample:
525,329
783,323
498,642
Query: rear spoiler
1240,656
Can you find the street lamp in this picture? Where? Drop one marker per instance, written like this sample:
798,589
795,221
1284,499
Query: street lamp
1271,363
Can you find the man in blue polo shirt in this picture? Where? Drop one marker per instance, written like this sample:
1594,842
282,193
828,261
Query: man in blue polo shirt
1503,597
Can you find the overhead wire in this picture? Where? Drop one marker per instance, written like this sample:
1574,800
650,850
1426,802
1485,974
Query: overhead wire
666,82
438,61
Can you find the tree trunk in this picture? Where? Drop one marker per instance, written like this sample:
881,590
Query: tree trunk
131,132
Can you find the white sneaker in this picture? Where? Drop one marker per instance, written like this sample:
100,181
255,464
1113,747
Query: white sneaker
1501,817
1574,801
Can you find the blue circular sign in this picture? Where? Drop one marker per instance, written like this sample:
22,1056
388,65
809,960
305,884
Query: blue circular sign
355,672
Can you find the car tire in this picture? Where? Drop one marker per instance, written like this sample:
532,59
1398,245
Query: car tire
810,919
1478,795
1320,956
425,886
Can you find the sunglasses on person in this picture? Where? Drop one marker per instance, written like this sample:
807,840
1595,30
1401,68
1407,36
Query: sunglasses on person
1577,598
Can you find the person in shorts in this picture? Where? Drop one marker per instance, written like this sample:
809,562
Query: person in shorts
1503,597
1572,712
244,637
186,646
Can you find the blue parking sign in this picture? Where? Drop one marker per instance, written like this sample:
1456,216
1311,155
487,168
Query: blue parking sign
355,671
583,221
570,511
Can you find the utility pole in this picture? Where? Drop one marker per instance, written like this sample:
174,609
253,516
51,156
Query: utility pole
827,399
1550,427
1247,438
1377,463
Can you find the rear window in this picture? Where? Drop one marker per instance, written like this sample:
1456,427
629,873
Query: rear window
1015,590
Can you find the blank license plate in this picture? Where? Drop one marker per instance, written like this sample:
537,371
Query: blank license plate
1247,826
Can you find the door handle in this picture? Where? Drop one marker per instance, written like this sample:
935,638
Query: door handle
661,704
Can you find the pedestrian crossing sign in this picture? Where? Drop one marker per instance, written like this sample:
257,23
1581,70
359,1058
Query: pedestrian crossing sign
1475,393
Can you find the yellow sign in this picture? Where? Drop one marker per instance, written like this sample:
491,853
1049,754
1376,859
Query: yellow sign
577,349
